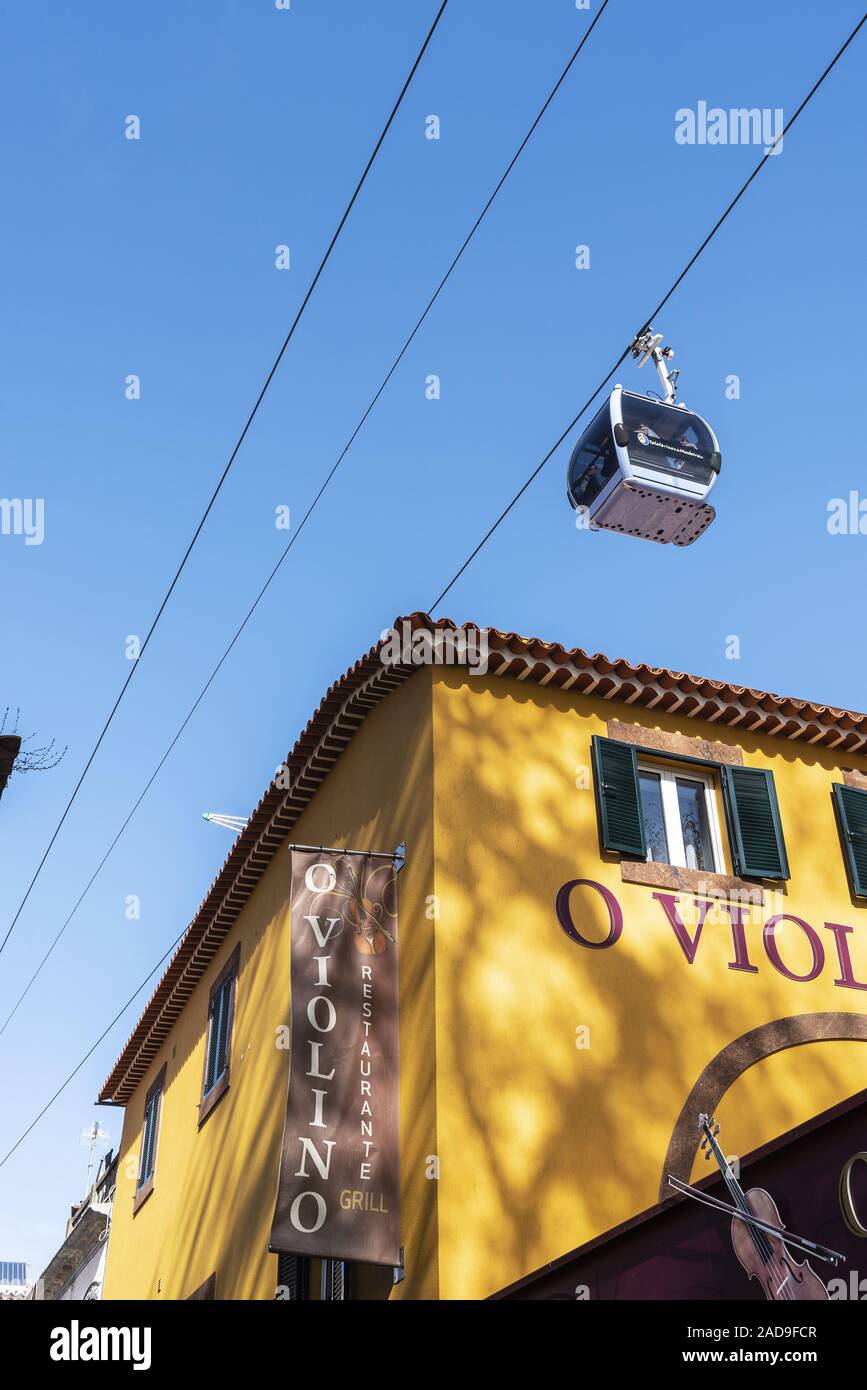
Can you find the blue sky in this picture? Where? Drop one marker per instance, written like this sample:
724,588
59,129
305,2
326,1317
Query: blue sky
156,257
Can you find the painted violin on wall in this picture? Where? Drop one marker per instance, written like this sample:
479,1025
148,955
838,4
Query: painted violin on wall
761,1241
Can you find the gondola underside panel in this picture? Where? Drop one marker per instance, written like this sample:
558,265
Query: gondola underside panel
633,509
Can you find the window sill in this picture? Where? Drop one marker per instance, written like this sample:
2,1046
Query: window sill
692,881
142,1195
213,1098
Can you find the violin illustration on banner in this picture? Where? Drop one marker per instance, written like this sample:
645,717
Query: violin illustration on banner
761,1242
371,902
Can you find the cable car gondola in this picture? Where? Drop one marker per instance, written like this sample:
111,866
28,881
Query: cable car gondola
644,467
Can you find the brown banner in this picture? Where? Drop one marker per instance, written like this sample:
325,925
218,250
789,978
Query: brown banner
338,1191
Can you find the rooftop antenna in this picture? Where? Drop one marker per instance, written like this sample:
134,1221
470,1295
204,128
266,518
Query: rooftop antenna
647,345
92,1136
234,823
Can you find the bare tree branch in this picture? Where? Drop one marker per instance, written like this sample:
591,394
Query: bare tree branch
40,758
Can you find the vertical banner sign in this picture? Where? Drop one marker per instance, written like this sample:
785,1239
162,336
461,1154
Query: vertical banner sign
338,1190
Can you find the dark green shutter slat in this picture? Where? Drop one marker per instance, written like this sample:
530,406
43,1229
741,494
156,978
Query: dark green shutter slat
287,1275
150,1127
214,1041
152,1133
225,1005
337,1281
218,1035
146,1162
152,1130
755,828
149,1130
143,1171
618,800
209,1073
293,1272
208,1060
219,1040
147,1165
851,804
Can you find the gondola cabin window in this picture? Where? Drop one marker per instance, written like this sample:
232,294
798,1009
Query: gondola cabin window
680,818
666,442
595,463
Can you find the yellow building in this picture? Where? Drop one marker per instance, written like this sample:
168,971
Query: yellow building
629,895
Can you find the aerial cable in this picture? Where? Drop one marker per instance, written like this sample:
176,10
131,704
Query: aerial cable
446,277
224,475
76,1069
647,322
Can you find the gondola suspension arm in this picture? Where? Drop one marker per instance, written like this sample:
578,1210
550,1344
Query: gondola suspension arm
647,345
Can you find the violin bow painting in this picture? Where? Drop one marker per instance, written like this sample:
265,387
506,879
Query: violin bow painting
761,1242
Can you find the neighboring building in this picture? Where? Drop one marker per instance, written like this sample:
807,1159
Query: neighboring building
14,1283
629,895
9,748
76,1272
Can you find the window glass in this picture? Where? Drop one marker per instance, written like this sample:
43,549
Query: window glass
661,436
694,824
680,820
654,818
594,461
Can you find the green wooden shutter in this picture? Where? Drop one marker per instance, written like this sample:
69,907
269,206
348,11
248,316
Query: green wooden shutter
218,1033
618,799
223,1010
209,1066
851,805
143,1174
293,1273
334,1281
149,1138
755,829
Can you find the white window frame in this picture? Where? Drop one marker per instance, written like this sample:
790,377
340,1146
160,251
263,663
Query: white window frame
671,812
